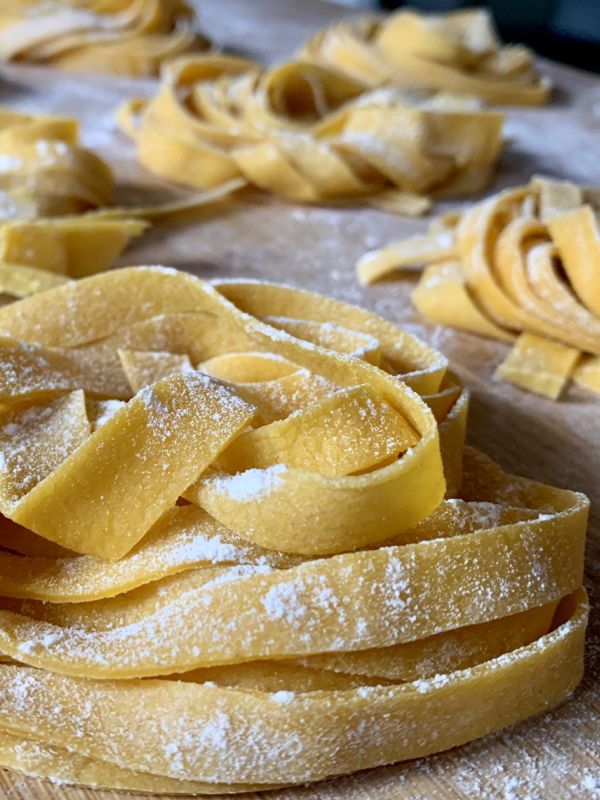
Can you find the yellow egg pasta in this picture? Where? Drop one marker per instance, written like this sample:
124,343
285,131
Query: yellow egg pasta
458,52
118,37
307,133
539,364
243,545
54,205
20,280
523,263
45,171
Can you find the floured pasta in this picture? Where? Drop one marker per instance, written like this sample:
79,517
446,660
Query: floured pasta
45,171
243,545
459,52
523,267
120,37
309,134
54,205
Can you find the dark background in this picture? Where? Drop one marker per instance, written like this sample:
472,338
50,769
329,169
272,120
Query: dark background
564,30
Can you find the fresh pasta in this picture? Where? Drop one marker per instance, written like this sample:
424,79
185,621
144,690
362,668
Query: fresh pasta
44,170
310,134
458,52
522,267
118,37
243,544
55,212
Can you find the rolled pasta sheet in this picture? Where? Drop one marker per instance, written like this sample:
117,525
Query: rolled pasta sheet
119,37
522,265
276,562
310,134
458,52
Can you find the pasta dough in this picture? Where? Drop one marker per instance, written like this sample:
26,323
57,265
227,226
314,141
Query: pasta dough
309,134
344,585
121,37
459,52
524,261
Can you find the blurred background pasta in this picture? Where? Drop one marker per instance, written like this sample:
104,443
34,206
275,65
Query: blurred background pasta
564,30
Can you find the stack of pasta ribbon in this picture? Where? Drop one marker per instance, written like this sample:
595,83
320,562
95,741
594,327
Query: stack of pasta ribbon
458,52
523,265
308,133
243,545
122,37
55,222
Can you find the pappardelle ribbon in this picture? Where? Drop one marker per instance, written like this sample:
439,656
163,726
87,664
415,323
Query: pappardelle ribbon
119,37
459,52
523,265
243,545
310,134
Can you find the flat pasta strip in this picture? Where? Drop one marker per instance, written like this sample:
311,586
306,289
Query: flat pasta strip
73,246
275,386
347,432
417,250
587,373
540,365
143,369
34,441
281,533
30,372
406,357
60,764
98,314
334,337
166,421
553,664
21,280
458,649
17,539
184,538
443,297
262,610
543,274
577,239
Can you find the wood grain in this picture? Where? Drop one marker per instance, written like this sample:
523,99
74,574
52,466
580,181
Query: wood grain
556,756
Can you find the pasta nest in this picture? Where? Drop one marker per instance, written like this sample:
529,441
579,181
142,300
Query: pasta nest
118,37
522,266
244,545
311,134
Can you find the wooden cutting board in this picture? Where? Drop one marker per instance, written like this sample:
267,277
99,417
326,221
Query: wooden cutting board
556,756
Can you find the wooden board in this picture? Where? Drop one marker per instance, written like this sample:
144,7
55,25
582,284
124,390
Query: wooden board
556,756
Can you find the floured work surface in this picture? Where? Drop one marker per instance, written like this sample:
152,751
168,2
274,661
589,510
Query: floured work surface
557,756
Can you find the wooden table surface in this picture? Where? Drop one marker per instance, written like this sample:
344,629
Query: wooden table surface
558,755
